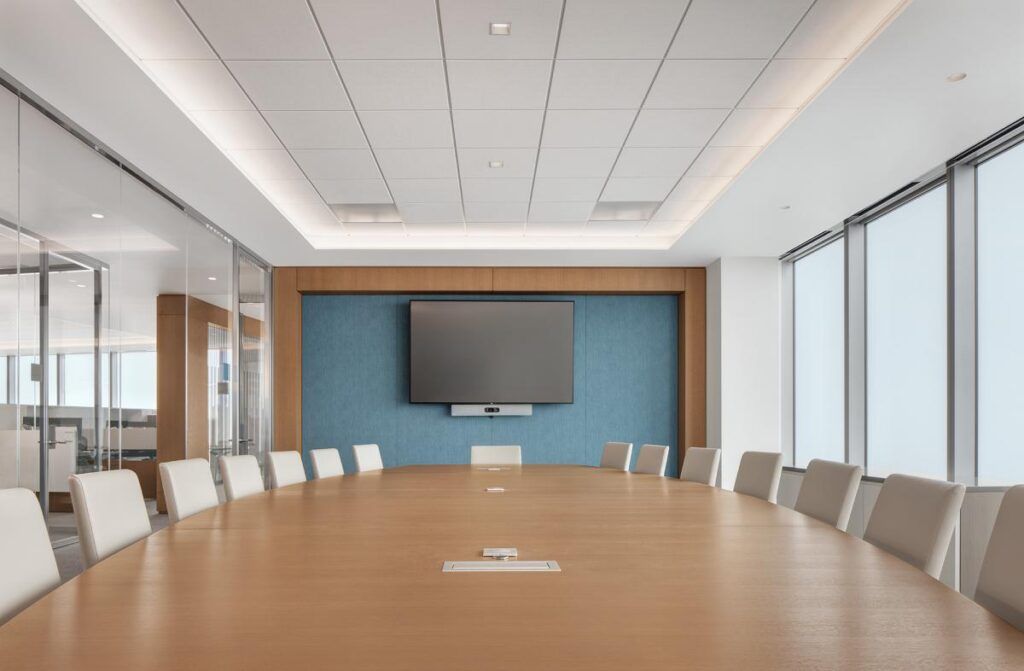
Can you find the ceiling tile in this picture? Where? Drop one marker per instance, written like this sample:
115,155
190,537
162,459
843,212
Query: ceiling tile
600,84
497,228
497,128
700,84
675,128
572,162
262,164
291,85
152,29
751,127
633,189
736,28
614,228
836,28
616,29
375,228
498,84
586,128
379,28
654,161
516,162
425,190
571,189
336,163
237,130
496,212
495,190
680,210
267,29
431,213
722,161
408,128
436,230
199,85
395,85
553,212
317,130
467,35
698,188
353,190
790,83
556,229
417,163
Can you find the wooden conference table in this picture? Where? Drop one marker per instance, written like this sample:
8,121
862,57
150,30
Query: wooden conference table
346,573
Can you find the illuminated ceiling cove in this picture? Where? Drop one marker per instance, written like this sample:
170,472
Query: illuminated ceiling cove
481,124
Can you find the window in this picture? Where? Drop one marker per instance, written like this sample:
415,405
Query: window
78,380
1000,220
138,380
28,389
906,339
819,355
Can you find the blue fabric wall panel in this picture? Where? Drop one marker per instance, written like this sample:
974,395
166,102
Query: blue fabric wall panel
355,386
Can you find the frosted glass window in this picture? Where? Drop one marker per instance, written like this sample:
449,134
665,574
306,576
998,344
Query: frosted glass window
78,380
1000,319
819,357
138,380
906,339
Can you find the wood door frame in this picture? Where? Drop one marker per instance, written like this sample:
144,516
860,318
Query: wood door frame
291,283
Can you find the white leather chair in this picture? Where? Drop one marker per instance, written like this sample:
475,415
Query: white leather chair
651,459
188,488
110,512
495,455
828,491
1001,582
326,463
701,465
242,477
759,475
367,457
617,456
285,469
27,567
914,519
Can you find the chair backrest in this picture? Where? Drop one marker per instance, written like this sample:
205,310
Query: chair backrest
242,477
326,463
485,455
759,475
828,491
651,459
367,457
188,487
27,567
617,455
1001,582
701,465
914,519
110,512
285,468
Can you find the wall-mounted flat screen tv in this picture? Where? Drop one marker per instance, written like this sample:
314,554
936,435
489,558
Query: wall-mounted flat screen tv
490,351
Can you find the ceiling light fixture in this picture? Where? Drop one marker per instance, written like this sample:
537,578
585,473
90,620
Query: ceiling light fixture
212,278
80,286
784,207
97,215
956,77
496,164
501,29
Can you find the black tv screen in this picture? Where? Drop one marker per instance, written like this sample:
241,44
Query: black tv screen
490,351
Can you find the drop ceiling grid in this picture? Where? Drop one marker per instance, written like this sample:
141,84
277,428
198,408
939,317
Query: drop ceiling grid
604,37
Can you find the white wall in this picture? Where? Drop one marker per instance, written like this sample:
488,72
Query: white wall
743,358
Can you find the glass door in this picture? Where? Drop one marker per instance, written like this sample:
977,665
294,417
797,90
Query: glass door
253,348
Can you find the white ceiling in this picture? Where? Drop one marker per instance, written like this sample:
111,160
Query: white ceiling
350,98
886,118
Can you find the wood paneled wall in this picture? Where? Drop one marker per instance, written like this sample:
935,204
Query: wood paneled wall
291,282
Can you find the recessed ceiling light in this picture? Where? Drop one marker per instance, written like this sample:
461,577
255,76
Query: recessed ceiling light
97,215
212,278
496,164
80,286
956,77
784,207
501,29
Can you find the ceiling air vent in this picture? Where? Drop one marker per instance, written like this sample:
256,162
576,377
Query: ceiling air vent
624,211
366,213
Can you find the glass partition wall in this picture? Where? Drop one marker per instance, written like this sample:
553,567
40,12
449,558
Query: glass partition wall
126,335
